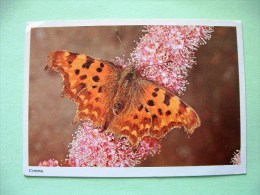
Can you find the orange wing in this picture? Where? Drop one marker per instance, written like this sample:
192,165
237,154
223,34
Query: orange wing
91,83
157,112
134,123
168,111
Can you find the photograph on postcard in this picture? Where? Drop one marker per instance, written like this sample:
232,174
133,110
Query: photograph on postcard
134,96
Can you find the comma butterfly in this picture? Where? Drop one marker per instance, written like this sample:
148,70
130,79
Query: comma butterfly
120,100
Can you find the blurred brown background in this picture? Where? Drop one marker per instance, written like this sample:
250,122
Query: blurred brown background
213,92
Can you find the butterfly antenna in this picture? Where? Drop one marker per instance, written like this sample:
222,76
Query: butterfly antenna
117,34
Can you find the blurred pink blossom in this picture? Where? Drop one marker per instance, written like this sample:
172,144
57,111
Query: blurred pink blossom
49,163
90,148
165,53
236,159
94,149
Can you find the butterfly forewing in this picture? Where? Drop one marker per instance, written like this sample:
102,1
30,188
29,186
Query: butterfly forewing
91,83
168,111
80,70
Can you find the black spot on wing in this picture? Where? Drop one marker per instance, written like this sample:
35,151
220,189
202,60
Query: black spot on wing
88,63
71,57
77,71
82,85
168,112
150,102
167,98
154,94
96,78
99,69
154,116
160,111
83,77
100,89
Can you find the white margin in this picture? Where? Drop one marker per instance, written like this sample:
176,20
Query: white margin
136,171
26,99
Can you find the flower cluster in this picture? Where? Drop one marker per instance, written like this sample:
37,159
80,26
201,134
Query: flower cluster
91,148
165,53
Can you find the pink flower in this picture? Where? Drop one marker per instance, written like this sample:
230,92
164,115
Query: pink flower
49,163
91,148
94,149
236,159
165,53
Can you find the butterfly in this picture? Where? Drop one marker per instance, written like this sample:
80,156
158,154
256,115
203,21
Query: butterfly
120,100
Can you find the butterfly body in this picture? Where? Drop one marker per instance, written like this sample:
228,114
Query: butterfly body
120,100
123,91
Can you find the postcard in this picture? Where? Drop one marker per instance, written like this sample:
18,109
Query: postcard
134,98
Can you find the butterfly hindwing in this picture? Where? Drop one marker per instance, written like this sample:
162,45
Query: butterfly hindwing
87,81
134,123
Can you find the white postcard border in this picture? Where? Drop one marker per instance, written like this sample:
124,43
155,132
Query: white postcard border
136,171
